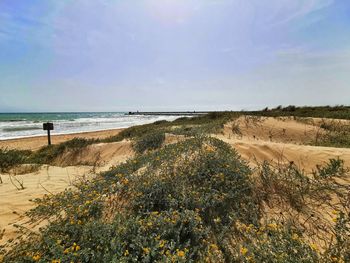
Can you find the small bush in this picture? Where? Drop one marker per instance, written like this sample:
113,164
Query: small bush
271,242
12,158
47,154
150,141
335,167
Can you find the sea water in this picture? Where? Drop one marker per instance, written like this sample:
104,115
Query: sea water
19,125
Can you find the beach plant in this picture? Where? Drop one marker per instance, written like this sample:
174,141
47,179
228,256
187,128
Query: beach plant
149,141
48,154
169,205
334,167
188,126
340,252
270,242
191,201
335,112
340,139
303,201
10,158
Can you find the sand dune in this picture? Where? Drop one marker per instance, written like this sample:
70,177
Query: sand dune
258,139
103,155
306,157
52,179
281,140
14,203
282,129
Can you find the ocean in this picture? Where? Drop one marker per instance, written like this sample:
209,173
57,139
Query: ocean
20,125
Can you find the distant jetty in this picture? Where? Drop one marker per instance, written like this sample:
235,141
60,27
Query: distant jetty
170,113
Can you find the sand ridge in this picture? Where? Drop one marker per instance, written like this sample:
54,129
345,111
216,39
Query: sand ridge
281,139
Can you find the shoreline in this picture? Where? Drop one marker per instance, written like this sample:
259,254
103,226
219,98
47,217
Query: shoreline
36,142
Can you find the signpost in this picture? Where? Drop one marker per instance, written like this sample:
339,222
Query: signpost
48,126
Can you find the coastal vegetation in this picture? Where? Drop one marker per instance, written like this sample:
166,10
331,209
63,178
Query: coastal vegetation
149,141
195,200
336,112
336,134
12,158
192,201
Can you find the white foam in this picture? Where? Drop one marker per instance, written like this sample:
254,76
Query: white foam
79,125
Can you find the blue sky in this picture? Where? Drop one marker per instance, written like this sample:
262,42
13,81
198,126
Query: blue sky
116,55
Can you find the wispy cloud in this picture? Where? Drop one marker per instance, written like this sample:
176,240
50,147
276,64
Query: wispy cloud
280,12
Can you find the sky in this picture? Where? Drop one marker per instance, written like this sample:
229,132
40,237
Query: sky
126,55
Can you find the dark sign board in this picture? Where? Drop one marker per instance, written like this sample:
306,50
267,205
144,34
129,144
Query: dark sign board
48,126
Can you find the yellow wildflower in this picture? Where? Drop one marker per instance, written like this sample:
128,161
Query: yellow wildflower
272,226
295,236
36,257
217,220
126,253
56,261
214,247
181,254
162,243
146,250
244,251
314,246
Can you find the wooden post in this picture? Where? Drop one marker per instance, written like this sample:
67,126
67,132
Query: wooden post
48,127
49,137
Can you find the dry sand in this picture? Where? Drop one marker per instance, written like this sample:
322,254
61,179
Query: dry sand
14,203
281,140
34,143
53,179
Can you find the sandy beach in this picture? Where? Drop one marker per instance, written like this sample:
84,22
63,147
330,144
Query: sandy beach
35,143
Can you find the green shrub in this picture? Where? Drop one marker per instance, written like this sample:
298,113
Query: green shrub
149,141
271,242
12,158
340,251
337,112
193,201
335,167
47,154
335,139
185,194
189,126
